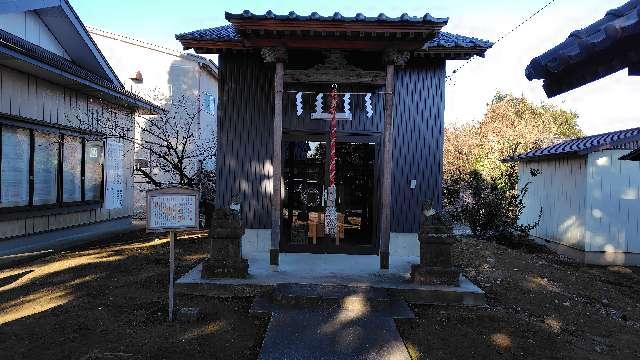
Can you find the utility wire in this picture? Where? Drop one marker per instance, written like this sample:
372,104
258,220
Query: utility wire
526,20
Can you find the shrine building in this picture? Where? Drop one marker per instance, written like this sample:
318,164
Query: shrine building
275,116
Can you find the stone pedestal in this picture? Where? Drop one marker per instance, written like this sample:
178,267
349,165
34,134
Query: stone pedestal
225,255
436,266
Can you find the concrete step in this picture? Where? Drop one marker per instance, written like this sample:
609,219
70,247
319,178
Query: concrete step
317,294
332,297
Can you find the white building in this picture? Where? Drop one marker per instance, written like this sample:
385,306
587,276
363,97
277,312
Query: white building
588,195
154,71
63,177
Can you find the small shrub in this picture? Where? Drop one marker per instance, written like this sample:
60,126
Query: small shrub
492,209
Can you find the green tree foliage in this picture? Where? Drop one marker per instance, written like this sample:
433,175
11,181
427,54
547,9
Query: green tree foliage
479,188
511,125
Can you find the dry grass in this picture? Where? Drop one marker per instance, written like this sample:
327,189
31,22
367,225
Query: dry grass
109,302
541,306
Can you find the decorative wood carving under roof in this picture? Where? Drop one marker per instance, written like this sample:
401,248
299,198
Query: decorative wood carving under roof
335,69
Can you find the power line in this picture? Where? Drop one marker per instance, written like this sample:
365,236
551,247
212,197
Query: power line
526,20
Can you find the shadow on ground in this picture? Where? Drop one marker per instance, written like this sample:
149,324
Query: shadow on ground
110,302
540,306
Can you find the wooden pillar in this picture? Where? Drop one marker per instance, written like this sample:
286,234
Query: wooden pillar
387,170
276,200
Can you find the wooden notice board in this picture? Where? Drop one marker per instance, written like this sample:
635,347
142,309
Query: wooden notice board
173,209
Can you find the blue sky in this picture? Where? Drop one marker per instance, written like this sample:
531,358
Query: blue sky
601,106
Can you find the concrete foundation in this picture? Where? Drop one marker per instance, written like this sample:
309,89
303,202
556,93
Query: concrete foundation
258,241
333,269
605,258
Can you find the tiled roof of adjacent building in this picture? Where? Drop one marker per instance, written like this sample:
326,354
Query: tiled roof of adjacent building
14,43
337,17
634,155
448,40
606,46
220,33
629,138
442,39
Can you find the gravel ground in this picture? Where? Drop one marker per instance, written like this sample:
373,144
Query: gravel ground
109,302
540,306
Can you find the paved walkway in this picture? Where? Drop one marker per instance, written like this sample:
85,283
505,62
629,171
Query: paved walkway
329,322
31,246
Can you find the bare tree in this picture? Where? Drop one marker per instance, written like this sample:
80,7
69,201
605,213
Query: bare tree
171,141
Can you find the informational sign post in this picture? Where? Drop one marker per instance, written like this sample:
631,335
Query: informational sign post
172,209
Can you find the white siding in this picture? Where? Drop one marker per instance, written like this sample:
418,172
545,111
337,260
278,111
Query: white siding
559,190
613,205
165,72
30,27
26,95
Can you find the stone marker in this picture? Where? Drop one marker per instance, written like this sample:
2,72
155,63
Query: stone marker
225,256
436,238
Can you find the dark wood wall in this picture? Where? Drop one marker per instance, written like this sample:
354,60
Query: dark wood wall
245,136
418,142
245,118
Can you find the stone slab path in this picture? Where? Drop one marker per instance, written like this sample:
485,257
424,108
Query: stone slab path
329,322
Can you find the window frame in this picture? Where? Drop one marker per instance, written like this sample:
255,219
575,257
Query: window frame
59,207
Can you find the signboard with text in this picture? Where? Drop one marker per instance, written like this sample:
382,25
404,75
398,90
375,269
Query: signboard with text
174,208
114,179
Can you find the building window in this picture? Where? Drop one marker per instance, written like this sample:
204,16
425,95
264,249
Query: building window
14,174
72,169
93,164
209,103
45,168
40,167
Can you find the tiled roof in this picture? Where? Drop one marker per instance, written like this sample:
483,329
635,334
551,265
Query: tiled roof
449,40
337,17
443,39
634,155
220,33
33,51
629,138
604,36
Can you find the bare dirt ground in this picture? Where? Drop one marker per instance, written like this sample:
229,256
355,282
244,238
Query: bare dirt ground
110,302
541,306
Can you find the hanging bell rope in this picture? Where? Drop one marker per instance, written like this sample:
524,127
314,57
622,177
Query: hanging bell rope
331,214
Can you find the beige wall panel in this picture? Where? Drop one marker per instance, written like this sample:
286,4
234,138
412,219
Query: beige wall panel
14,91
560,191
29,26
12,228
613,203
28,226
32,103
52,101
101,215
40,224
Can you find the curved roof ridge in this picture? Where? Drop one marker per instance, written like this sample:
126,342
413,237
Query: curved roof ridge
581,145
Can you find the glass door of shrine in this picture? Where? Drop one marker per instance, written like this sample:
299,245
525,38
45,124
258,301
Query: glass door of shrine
305,178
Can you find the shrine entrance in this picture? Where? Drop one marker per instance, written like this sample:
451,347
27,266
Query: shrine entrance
306,177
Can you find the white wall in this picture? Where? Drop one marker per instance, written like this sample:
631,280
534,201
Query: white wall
30,27
31,97
559,189
613,205
166,72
